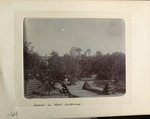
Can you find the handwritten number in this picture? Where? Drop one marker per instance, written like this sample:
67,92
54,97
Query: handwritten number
12,114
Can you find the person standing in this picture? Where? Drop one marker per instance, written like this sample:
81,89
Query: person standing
65,89
65,80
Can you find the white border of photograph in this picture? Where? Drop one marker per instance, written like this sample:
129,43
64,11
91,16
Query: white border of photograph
19,73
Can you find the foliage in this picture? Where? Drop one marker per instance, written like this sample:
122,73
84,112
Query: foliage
75,64
31,60
112,67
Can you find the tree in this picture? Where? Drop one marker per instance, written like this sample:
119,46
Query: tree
75,51
99,54
31,60
112,67
53,54
88,52
86,64
71,67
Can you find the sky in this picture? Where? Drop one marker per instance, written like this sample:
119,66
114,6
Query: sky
61,34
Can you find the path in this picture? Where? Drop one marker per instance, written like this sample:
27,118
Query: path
78,91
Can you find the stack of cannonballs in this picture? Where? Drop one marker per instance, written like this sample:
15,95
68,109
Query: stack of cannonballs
65,90
108,89
86,85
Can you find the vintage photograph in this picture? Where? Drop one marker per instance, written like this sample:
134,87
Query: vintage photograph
74,57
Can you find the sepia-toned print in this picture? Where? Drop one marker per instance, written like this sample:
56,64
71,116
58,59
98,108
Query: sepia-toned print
74,57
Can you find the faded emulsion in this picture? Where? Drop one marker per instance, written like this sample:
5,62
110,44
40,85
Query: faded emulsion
74,57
